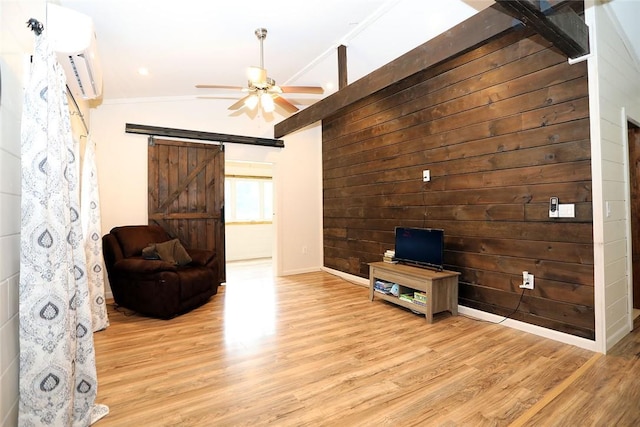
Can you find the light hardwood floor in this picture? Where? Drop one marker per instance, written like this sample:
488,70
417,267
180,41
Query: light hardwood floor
312,350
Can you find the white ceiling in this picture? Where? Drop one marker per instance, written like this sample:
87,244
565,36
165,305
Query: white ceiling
188,42
213,42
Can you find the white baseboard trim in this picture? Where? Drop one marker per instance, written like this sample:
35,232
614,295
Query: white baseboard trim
348,277
301,271
614,337
489,317
532,329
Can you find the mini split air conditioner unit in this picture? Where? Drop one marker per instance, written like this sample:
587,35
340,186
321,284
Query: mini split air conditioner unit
73,39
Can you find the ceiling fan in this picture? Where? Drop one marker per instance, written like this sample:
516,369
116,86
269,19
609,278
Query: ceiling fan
262,90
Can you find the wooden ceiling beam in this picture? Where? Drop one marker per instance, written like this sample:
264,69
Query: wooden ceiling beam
469,34
555,20
343,80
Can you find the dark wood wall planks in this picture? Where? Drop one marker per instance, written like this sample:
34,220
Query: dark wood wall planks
502,129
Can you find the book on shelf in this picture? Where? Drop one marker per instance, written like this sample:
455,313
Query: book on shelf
383,286
384,283
420,297
410,298
390,257
406,297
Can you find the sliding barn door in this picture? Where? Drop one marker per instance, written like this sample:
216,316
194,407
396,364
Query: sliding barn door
186,193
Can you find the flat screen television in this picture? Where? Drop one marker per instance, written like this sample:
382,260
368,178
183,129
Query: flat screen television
423,247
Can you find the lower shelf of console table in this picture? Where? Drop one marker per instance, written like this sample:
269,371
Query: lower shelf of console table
440,287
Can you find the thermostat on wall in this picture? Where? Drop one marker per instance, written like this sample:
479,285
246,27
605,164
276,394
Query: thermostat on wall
554,211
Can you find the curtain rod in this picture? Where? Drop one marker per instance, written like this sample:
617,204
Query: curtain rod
73,98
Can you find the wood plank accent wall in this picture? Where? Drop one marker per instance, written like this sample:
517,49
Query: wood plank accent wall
502,128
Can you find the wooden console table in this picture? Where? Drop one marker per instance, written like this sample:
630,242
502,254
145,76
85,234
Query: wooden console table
440,287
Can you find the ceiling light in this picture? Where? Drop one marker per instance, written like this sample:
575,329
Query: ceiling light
256,75
143,71
267,103
251,102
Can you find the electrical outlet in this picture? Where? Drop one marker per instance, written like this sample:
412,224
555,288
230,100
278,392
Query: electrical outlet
426,175
527,280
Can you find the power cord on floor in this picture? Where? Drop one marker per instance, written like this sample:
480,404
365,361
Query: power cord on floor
516,309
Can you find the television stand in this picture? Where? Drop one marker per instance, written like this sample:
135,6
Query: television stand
440,287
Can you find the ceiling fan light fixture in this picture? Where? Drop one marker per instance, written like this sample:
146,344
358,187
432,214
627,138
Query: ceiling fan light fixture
256,75
251,102
262,91
267,103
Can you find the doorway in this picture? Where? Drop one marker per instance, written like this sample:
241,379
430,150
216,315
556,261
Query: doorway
249,228
634,202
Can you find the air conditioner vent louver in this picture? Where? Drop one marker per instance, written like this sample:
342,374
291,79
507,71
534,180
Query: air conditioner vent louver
83,76
74,41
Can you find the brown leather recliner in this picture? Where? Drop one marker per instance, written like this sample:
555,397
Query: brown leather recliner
155,287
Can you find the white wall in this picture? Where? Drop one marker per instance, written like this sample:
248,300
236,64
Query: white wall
248,241
298,190
614,79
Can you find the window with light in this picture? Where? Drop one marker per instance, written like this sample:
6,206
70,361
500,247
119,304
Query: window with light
248,199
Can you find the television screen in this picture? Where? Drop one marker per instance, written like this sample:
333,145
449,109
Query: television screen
420,246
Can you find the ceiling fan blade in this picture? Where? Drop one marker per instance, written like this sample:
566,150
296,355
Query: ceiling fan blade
219,87
239,104
302,89
227,97
284,104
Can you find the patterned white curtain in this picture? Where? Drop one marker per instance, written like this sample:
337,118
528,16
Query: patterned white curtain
92,231
58,382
